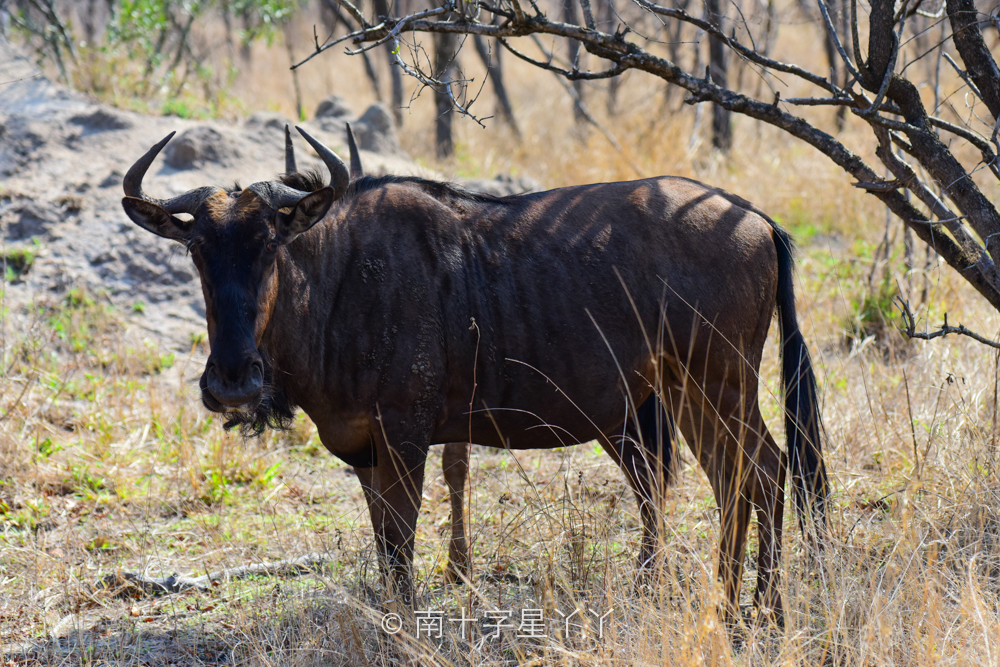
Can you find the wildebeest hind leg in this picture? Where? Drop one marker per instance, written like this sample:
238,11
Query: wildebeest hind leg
455,465
768,488
715,441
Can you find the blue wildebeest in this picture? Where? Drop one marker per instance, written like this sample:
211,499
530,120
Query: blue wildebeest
400,312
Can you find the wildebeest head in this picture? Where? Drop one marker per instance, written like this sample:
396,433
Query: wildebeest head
234,238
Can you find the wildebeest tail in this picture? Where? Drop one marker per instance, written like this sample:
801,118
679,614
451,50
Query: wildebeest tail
802,418
659,434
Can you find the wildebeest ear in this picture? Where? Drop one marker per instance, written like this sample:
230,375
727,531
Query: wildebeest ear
154,218
306,213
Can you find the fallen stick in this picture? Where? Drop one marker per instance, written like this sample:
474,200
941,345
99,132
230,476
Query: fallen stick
128,583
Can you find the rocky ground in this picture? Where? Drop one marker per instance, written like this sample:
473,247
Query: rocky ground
62,159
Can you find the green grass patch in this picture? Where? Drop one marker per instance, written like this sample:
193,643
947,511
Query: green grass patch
17,262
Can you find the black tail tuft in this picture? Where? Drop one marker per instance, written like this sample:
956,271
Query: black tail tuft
802,417
658,434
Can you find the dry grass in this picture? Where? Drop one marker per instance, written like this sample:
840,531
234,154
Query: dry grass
110,463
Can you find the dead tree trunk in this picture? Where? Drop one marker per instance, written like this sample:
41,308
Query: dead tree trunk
838,72
245,51
494,69
395,76
372,75
296,86
613,86
572,17
674,32
609,19
396,79
722,128
338,17
444,67
89,20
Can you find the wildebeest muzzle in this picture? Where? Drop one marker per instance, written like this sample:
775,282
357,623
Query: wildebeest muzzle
233,383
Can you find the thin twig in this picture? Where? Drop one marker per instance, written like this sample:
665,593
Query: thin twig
965,76
910,328
744,52
836,41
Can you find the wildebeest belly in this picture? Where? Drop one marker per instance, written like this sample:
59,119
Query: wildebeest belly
557,356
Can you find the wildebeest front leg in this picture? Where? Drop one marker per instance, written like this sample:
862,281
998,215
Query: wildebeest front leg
644,452
455,464
369,484
631,458
397,484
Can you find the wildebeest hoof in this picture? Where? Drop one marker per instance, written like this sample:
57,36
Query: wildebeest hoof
456,574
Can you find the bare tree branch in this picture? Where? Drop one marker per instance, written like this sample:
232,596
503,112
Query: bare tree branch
965,76
910,327
572,75
961,224
975,54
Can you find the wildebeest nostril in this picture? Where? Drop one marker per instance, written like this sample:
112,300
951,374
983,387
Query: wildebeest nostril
257,372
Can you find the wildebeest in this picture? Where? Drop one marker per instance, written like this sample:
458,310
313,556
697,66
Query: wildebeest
652,429
400,312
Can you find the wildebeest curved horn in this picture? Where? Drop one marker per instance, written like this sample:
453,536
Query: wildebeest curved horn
340,177
190,201
356,170
289,152
185,203
132,184
277,195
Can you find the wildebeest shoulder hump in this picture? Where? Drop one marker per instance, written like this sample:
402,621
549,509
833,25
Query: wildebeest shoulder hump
436,189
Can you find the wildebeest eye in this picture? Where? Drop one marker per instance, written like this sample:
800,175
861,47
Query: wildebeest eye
272,246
